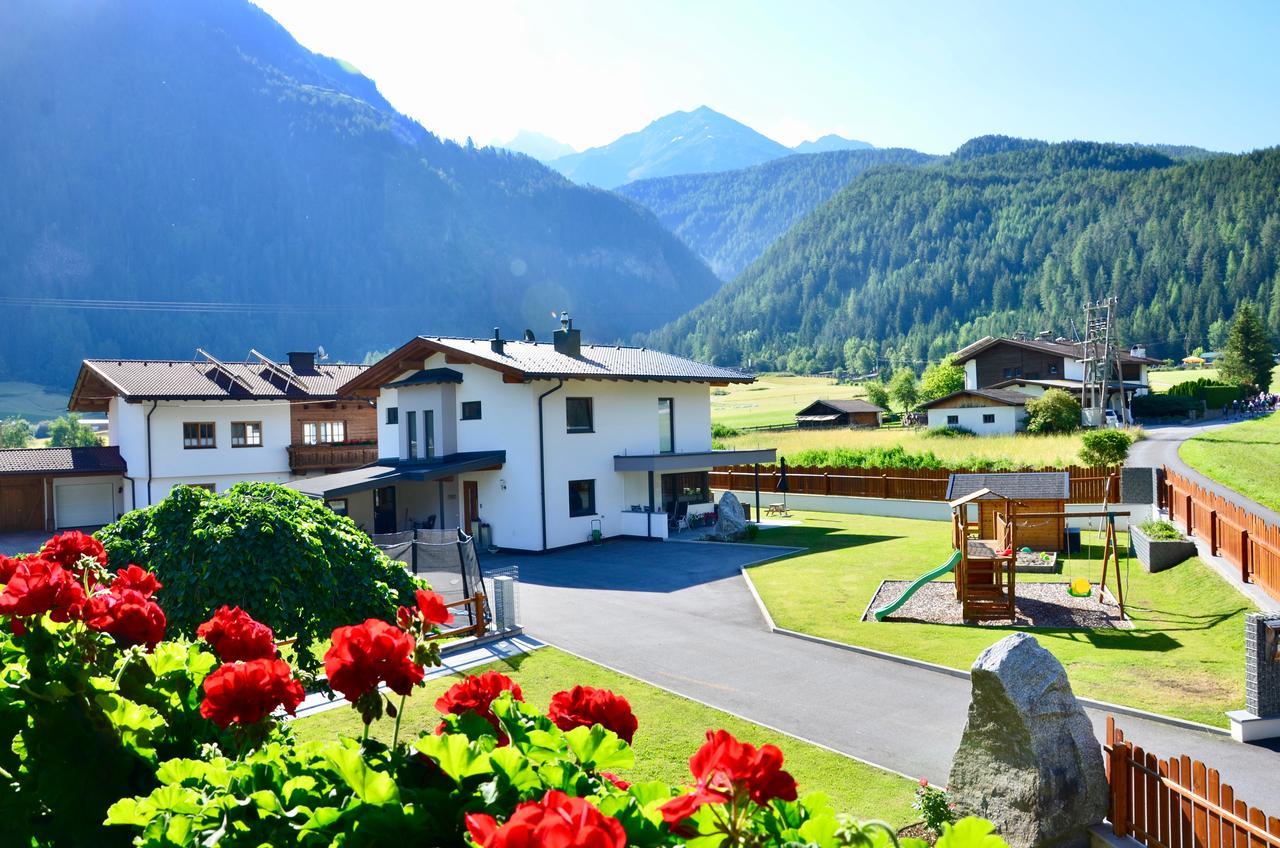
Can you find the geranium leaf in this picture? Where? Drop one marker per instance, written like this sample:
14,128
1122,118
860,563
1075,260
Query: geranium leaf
970,833
369,785
133,721
515,767
599,749
457,756
131,811
820,830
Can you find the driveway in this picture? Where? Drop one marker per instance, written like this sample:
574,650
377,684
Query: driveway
679,615
22,543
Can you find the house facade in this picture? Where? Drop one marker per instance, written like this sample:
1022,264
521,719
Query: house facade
544,444
212,424
47,489
987,412
840,413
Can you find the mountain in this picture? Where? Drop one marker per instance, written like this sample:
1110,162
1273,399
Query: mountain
830,142
909,263
157,153
680,143
731,217
544,148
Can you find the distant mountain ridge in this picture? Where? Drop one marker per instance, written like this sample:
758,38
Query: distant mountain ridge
830,142
544,148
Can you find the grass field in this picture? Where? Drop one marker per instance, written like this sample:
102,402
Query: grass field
671,729
1243,456
1162,380
774,399
35,403
1183,658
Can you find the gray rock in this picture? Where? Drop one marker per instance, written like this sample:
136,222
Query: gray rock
731,521
1028,760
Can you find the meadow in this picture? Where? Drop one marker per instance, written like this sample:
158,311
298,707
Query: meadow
774,399
35,403
1242,456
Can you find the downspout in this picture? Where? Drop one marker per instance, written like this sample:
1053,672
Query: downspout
150,472
542,460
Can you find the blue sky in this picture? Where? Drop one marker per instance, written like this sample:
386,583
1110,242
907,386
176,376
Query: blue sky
925,75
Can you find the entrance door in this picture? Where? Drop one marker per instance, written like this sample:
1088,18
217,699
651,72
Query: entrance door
21,504
470,504
384,510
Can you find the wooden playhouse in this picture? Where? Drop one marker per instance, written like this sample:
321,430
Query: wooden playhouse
1031,491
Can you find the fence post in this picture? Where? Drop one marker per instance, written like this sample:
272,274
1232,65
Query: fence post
1213,532
1191,515
826,481
477,610
1244,555
884,486
1119,774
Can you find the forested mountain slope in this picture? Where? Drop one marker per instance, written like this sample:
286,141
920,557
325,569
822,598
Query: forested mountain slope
829,142
731,217
193,151
911,262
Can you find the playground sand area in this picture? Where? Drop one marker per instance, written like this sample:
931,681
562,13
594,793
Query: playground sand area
1037,605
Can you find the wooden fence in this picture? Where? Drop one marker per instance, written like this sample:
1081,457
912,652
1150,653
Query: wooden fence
1178,802
1241,538
1088,484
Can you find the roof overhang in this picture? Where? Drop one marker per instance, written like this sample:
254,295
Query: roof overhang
388,472
832,417
412,356
692,459
426,377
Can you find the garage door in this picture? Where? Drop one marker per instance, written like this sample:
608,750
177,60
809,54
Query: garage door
85,504
21,504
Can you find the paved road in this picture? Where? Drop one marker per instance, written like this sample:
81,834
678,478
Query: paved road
680,616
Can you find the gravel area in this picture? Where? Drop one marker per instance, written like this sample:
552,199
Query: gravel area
1038,605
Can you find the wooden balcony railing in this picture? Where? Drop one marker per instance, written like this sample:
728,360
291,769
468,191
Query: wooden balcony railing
312,457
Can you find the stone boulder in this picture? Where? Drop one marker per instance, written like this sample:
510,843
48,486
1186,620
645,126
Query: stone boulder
1028,760
731,521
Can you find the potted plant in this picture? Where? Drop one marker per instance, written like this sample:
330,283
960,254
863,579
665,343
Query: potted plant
1159,545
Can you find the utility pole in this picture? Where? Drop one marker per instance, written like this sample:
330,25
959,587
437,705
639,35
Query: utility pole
1101,361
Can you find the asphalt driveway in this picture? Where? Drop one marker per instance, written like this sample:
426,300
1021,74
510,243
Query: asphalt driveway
679,615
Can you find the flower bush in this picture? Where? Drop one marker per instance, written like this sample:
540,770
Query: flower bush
935,810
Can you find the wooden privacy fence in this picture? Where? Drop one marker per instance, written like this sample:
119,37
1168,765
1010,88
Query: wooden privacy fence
1178,802
1243,539
1088,484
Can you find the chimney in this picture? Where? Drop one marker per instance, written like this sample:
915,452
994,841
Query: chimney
1138,350
302,361
529,336
495,344
1044,335
568,340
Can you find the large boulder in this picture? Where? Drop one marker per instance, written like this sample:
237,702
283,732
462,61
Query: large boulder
1028,760
731,521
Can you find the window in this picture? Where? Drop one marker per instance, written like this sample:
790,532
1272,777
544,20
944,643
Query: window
666,426
988,418
578,415
198,434
338,505
411,424
582,498
471,410
246,434
324,432
953,419
1053,369
429,432
393,415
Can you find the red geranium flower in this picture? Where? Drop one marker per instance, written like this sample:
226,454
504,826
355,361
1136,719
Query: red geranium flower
364,655
66,549
557,821
127,614
235,635
133,577
728,771
584,706
247,692
477,694
430,607
38,586
624,785
7,567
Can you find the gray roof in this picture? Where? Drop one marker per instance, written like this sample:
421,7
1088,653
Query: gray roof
175,379
1066,385
1015,485
1070,350
844,405
62,461
392,470
1004,397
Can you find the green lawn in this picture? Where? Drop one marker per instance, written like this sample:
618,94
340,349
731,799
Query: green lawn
671,729
1243,456
1183,658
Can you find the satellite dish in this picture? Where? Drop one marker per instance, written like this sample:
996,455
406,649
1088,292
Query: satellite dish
320,354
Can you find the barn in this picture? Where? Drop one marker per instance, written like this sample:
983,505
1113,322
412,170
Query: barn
46,489
840,413
1030,491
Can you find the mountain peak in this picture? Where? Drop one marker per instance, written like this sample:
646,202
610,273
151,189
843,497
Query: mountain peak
540,146
830,142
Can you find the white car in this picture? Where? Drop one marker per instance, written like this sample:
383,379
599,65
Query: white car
1110,419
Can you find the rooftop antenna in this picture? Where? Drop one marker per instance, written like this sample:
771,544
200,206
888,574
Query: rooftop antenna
320,354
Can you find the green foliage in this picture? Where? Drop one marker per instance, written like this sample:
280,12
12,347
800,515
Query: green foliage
15,432
1214,394
1055,411
720,430
903,389
1248,357
951,432
284,558
1105,447
941,379
68,432
1161,531
1163,406
934,808
877,393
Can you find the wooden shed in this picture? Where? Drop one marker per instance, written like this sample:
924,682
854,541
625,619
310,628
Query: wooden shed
840,413
1029,491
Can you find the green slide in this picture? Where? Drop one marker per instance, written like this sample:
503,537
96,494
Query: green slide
911,590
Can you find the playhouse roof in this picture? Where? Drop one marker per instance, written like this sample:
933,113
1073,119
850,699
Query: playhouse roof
1014,485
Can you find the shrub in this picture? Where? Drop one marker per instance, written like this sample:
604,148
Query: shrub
877,393
1161,531
68,432
951,432
1055,411
1105,447
284,558
1212,393
723,431
1163,406
934,808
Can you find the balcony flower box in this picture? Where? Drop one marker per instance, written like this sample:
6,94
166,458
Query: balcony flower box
1159,554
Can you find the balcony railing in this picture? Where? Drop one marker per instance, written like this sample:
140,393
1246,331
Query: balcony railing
312,457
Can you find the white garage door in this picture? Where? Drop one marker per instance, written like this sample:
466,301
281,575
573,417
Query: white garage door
85,504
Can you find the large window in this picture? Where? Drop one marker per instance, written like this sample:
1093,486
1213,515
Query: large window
578,415
582,498
324,432
471,410
429,432
246,434
666,426
411,424
198,434
393,415
988,418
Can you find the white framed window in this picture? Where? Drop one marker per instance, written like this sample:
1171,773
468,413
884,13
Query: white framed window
246,434
323,432
579,415
582,498
198,435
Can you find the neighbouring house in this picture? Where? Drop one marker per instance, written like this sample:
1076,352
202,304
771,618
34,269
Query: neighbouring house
210,423
542,443
1031,492
840,413
47,489
987,412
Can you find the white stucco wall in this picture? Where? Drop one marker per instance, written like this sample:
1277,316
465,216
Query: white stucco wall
1008,419
1073,369
971,374
388,434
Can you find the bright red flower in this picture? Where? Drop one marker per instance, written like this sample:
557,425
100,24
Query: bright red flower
7,567
430,607
66,549
624,785
726,770
247,692
127,614
477,694
235,635
557,821
584,706
38,586
133,577
364,655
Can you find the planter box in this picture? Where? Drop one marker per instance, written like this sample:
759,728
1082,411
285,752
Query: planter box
1158,554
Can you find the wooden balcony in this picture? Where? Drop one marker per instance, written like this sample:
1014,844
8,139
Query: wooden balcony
330,457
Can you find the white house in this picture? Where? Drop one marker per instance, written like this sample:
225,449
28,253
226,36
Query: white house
212,424
543,443
987,412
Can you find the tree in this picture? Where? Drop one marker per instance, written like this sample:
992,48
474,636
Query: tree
877,394
903,388
15,432
1105,447
68,432
1055,411
1249,356
940,380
